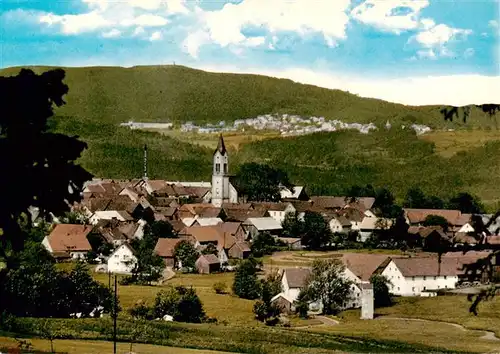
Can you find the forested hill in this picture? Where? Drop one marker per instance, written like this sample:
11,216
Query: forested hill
180,94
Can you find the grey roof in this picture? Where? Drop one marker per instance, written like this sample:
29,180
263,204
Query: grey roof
265,223
297,277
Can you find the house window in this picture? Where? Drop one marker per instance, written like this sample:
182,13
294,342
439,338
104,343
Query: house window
413,289
446,286
424,287
398,288
412,278
425,277
445,277
217,167
434,278
225,168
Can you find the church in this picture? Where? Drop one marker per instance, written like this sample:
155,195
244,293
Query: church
222,189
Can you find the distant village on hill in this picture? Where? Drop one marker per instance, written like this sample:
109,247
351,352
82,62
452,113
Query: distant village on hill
286,124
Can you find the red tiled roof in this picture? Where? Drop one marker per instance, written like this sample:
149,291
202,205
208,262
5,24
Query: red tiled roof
297,277
165,246
428,266
363,265
418,215
69,237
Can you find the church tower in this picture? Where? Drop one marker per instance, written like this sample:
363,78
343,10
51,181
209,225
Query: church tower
221,188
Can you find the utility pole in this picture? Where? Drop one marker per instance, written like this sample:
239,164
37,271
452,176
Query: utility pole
115,315
109,279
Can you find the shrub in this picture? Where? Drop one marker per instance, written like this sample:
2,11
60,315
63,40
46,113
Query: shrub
182,303
245,283
220,287
141,311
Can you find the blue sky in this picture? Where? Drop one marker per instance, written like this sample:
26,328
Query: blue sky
390,49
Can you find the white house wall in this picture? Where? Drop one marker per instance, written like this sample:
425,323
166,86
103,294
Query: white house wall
414,286
117,262
466,228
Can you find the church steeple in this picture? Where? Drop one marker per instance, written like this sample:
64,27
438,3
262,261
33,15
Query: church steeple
221,147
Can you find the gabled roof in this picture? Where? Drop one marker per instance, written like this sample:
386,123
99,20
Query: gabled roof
263,224
165,246
221,147
69,237
209,258
291,194
427,266
296,277
126,245
242,215
205,233
418,215
363,265
230,227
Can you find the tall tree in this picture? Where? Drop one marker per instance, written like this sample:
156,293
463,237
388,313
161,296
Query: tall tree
245,283
328,285
292,226
466,203
315,231
261,182
38,166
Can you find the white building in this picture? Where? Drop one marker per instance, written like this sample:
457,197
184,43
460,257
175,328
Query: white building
417,276
222,190
278,211
370,224
110,215
122,260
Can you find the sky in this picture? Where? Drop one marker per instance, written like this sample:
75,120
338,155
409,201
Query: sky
407,51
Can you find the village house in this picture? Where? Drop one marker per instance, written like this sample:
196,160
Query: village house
277,211
420,276
256,226
122,260
116,232
206,222
190,212
370,224
416,217
339,224
165,249
293,281
296,193
119,215
68,241
207,264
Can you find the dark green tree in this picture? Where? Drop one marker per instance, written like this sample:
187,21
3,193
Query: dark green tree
466,203
185,252
264,243
246,284
260,182
210,249
160,229
182,303
415,198
436,220
41,165
292,226
264,310
382,297
316,232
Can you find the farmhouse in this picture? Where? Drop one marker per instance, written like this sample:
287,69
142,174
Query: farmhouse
165,249
256,226
122,260
419,275
207,264
68,241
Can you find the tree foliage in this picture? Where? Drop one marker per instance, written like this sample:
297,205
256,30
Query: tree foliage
381,294
315,231
328,285
466,203
264,243
41,165
246,284
261,182
436,220
182,303
292,226
185,252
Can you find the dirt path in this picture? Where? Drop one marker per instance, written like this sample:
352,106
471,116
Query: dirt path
327,321
488,335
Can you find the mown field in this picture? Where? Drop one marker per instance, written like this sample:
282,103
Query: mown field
441,163
238,331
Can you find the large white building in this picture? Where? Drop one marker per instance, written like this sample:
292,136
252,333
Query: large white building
420,276
222,190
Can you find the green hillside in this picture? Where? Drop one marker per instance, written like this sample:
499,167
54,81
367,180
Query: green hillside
328,163
179,94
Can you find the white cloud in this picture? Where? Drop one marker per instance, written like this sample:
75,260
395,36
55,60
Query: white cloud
104,14
224,27
194,41
139,31
388,15
454,90
493,24
73,24
145,20
439,35
112,34
155,36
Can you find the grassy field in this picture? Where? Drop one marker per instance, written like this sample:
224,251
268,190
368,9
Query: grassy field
97,347
237,323
450,143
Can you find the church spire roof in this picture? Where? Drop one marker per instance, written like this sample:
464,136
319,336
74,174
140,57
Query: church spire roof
221,147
